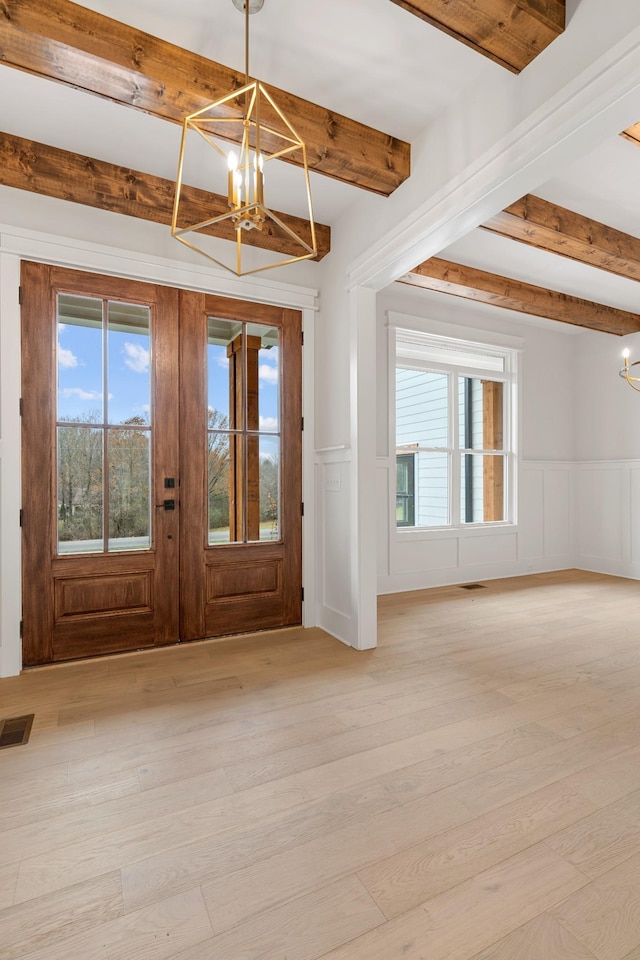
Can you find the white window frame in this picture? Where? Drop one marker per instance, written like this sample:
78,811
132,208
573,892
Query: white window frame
433,335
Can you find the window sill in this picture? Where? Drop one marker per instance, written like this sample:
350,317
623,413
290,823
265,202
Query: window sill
449,533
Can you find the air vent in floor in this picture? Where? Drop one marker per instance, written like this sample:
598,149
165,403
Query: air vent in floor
15,731
472,586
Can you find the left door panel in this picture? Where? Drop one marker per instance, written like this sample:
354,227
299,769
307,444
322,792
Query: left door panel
100,460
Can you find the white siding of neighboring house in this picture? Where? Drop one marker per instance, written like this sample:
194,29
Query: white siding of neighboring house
421,420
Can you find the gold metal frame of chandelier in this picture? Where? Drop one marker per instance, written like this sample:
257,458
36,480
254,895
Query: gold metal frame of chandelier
202,121
624,373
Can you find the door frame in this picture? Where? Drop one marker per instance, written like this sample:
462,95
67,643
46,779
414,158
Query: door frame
19,244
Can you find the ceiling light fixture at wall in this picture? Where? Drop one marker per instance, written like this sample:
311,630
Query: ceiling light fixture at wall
625,373
260,134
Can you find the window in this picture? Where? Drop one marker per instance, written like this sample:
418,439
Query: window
243,367
104,425
453,432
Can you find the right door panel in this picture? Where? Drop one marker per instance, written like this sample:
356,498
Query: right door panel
241,456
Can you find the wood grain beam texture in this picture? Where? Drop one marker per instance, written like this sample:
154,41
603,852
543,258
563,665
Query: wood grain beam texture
549,227
632,133
42,169
472,284
66,42
510,32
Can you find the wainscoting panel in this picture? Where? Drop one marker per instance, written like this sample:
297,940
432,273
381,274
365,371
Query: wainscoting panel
600,509
412,555
558,480
494,548
541,540
333,506
531,533
634,515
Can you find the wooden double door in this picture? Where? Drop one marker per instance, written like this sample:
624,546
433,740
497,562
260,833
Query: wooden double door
161,464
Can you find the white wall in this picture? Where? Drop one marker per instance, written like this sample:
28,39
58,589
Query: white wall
345,432
542,539
10,479
607,482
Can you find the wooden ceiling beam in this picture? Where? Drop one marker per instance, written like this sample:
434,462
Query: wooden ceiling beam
86,50
472,284
46,170
632,133
549,227
510,32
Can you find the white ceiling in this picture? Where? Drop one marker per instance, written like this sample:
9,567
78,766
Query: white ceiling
367,59
603,185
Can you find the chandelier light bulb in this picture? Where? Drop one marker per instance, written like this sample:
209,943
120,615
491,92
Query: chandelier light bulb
232,163
626,373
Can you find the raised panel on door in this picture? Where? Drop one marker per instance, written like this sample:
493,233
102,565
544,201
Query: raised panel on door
100,435
241,455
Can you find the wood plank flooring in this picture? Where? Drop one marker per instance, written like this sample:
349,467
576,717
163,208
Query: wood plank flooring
470,790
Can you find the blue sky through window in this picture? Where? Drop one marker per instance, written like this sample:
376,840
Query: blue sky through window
80,365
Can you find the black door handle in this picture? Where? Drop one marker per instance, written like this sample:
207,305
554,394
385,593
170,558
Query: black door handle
166,505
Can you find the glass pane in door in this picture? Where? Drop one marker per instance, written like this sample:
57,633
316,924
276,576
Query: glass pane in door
103,420
128,369
269,488
218,487
243,389
80,505
221,334
267,415
79,356
129,457
128,404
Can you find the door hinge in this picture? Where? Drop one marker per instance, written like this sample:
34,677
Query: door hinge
302,593
302,423
21,629
302,509
21,516
21,406
20,295
302,338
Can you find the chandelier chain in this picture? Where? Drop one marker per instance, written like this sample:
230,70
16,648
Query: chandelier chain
246,42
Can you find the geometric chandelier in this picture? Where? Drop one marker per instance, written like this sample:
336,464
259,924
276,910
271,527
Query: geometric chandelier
261,135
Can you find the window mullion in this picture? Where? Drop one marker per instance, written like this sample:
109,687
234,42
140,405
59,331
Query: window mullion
455,473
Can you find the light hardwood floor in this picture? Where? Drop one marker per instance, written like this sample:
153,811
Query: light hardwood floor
468,791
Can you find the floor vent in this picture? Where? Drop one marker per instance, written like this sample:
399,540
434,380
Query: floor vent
15,731
472,586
